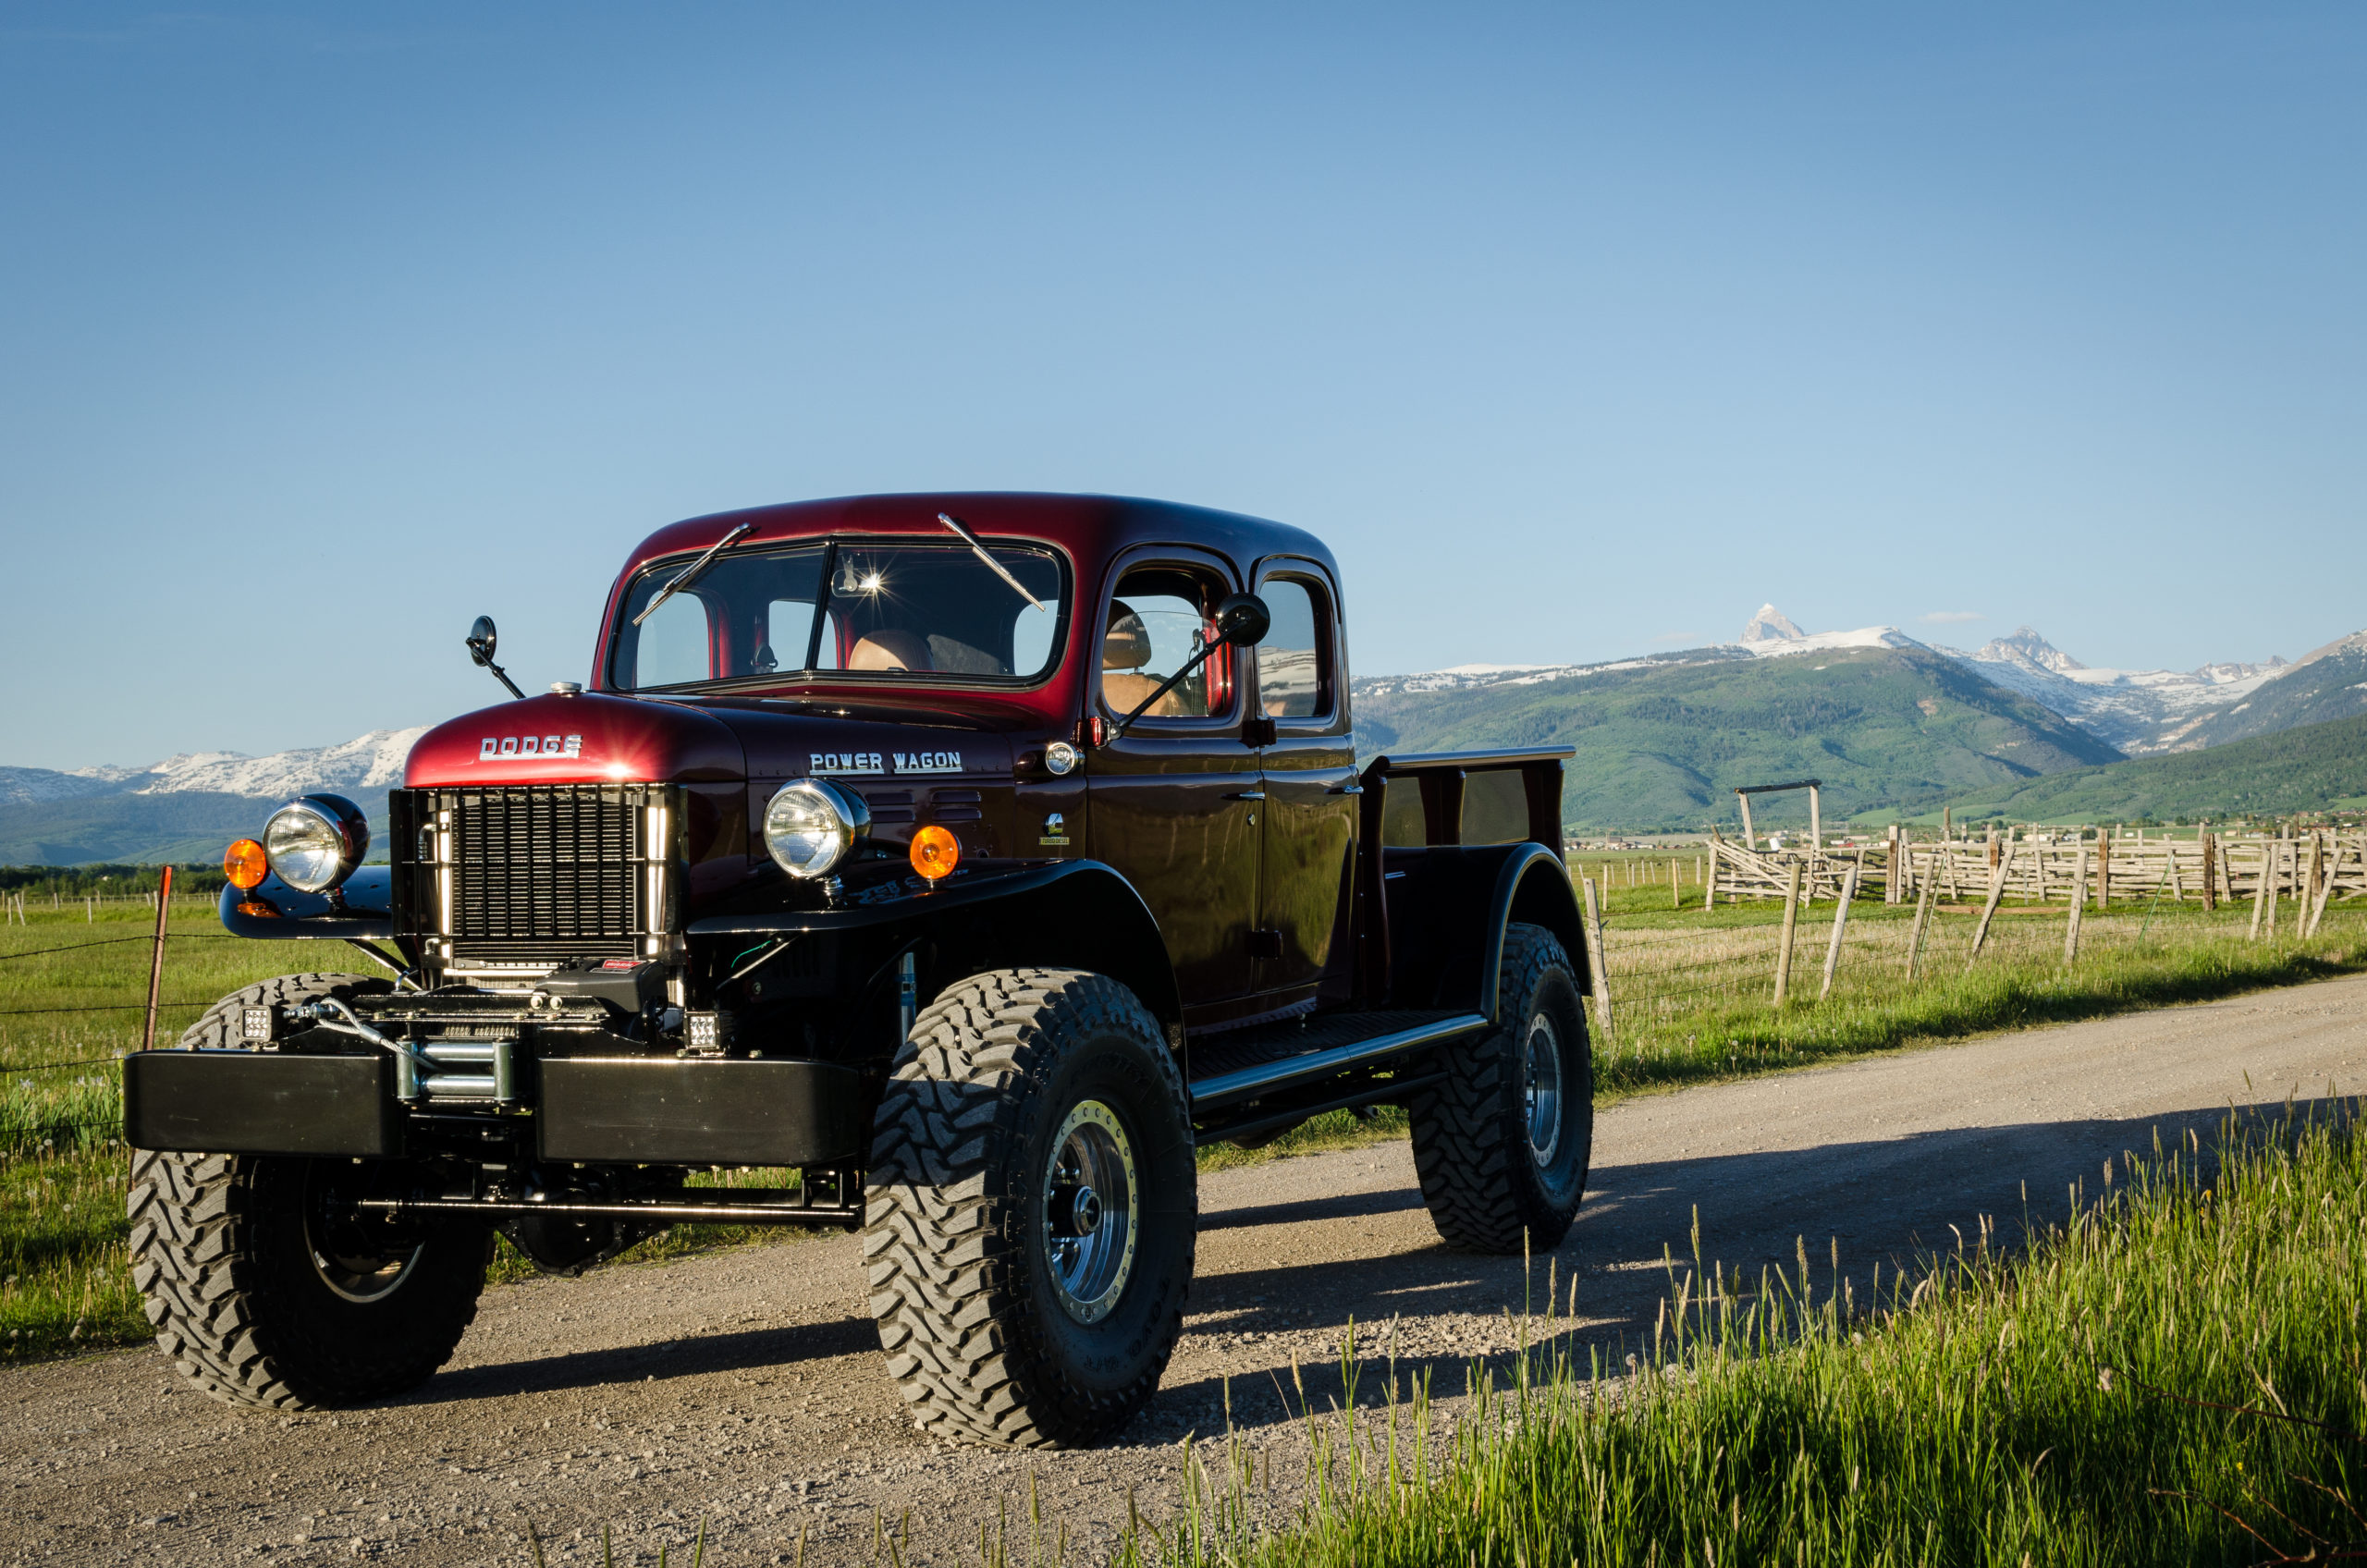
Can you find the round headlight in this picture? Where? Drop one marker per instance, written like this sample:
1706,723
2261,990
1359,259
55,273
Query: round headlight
811,824
314,843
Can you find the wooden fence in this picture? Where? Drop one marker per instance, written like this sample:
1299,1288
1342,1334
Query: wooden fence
2315,866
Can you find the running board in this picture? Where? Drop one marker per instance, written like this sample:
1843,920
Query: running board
1291,1072
681,1210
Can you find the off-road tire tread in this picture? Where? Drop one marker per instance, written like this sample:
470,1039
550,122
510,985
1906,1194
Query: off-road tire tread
1464,1153
197,1282
938,1236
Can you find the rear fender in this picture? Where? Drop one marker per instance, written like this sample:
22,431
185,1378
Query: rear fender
1449,906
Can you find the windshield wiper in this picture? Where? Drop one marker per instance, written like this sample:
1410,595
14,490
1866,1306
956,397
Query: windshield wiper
689,574
992,565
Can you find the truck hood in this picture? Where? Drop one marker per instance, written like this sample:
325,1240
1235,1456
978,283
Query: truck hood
581,739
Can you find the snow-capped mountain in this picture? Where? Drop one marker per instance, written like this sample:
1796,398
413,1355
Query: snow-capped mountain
2136,711
370,762
1772,635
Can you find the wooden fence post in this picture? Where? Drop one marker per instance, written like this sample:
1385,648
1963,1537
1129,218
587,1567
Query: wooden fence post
1675,896
2210,880
1989,909
1601,986
2326,888
2263,893
1784,948
1709,883
1924,896
1840,925
1750,839
2104,870
2078,907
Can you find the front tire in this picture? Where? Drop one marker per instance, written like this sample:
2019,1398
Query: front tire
1031,1211
1503,1144
266,1289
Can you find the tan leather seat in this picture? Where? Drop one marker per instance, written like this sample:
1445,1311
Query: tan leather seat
891,649
1125,648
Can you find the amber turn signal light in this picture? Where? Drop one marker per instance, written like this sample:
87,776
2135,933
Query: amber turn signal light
935,852
244,865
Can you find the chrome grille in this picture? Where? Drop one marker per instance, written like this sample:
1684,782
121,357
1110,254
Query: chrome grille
524,873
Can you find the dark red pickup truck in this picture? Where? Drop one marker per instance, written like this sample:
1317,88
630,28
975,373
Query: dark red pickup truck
975,857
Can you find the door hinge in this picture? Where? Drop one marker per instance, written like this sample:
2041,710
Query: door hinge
1265,944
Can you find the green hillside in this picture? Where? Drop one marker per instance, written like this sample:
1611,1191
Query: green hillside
2315,767
1659,748
190,826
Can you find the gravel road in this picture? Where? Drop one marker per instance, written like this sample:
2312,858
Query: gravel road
744,1386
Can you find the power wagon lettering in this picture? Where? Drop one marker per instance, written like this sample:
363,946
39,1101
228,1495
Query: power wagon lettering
927,762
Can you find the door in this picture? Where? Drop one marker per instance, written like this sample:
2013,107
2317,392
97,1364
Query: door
1174,802
1308,768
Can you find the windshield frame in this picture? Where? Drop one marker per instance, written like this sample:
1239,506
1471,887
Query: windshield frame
831,544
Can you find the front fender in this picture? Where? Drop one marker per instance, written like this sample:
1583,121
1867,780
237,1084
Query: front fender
359,910
1064,914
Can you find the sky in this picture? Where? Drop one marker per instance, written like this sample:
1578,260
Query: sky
1577,331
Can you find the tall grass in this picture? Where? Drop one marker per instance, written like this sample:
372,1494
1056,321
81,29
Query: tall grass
2173,1376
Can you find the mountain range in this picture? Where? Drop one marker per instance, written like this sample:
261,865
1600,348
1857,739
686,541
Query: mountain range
1893,725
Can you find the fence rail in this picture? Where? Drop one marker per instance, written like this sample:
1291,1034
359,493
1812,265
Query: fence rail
2033,867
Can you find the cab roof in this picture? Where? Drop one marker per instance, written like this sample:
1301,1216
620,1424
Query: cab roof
1090,529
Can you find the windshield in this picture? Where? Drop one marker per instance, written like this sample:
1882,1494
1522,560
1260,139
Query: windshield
892,611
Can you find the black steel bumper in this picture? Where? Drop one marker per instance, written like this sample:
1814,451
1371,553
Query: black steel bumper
638,1110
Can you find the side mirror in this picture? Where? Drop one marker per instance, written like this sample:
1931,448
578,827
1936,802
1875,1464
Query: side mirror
1241,619
481,642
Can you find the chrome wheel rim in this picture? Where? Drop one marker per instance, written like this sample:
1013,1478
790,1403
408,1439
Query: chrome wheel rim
346,1261
1092,1211
1540,1081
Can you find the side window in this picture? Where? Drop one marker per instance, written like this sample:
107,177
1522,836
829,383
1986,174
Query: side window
675,644
1157,620
1294,662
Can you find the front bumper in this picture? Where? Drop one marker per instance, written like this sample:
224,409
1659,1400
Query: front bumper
631,1111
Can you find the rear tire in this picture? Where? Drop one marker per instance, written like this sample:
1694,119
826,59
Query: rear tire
1031,1211
267,1290
1503,1144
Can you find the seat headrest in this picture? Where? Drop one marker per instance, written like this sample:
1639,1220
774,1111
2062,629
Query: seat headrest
1126,646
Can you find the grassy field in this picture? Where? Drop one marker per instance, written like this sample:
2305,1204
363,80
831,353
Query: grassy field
1692,997
2176,1375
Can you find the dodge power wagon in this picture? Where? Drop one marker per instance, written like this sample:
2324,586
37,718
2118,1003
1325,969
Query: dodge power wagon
954,864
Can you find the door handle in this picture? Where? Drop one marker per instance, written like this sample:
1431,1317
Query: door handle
1248,795
1346,789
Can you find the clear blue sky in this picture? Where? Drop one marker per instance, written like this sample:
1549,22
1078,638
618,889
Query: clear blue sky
1579,331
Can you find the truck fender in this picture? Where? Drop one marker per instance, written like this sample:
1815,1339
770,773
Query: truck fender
1451,908
1063,914
359,908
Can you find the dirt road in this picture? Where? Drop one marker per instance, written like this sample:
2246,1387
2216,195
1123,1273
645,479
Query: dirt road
744,1386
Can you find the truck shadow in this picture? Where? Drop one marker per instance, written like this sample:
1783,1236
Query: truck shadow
661,1361
1895,1205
